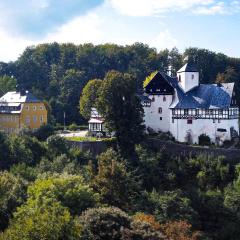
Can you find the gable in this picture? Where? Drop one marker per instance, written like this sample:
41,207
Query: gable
158,85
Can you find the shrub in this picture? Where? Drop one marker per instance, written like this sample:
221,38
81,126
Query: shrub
204,140
104,223
73,127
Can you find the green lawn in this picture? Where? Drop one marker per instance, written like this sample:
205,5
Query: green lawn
90,139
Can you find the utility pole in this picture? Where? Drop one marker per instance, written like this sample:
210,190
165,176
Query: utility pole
64,118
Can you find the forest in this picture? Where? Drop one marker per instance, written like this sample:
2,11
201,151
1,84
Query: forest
58,73
50,190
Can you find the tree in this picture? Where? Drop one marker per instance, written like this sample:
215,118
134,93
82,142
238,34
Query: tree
116,185
49,221
89,96
170,206
179,230
106,223
69,190
25,149
4,152
57,145
7,84
122,110
12,194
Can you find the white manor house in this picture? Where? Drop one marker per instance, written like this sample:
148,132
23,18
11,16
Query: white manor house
187,109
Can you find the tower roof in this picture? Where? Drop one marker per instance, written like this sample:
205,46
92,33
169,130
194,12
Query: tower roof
188,67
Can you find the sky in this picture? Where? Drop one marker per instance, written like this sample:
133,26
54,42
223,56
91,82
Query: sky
210,24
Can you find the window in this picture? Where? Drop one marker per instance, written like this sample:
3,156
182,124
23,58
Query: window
160,118
179,78
27,108
189,121
27,120
221,130
192,76
34,108
153,99
185,111
160,110
214,120
35,119
172,120
41,107
219,121
41,119
164,98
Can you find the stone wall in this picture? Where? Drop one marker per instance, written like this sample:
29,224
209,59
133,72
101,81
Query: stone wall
177,149
170,148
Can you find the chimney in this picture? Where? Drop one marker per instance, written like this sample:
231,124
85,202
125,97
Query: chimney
22,92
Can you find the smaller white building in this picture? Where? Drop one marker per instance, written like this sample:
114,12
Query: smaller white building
187,109
96,122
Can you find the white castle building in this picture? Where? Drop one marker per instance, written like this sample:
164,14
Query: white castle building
187,109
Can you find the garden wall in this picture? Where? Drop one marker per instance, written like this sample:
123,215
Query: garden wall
170,148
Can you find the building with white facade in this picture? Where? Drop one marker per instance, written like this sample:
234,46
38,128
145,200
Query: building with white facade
187,109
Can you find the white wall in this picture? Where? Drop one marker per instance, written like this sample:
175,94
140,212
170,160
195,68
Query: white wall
152,116
187,83
180,128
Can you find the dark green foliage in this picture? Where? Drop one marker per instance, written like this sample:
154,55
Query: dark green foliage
89,96
170,206
12,194
25,149
104,223
44,132
69,190
50,221
204,140
7,84
4,152
117,186
57,144
123,113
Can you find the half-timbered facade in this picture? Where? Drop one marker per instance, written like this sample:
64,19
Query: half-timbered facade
187,109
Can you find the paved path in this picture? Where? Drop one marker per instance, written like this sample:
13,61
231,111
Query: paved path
74,134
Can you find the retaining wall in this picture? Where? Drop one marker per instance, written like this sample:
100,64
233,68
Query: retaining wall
170,148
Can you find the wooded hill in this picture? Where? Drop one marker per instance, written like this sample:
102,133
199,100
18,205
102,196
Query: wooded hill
58,72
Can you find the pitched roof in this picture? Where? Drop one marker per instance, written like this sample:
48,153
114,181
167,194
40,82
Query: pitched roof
204,96
16,97
188,67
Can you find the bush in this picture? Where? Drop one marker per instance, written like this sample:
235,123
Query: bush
44,132
73,127
204,140
104,223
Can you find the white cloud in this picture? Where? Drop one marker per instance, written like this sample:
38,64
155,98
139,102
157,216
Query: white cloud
219,8
81,29
12,46
163,40
151,7
100,26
